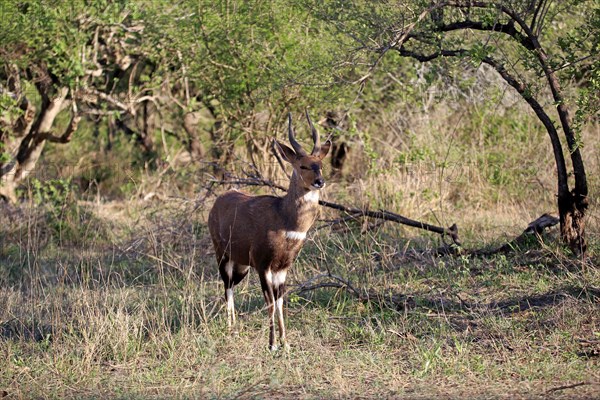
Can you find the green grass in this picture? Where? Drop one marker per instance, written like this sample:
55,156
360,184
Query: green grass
140,314
122,298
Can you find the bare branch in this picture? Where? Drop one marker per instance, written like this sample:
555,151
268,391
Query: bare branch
334,282
108,98
68,133
399,38
571,386
497,6
452,231
393,217
508,28
541,12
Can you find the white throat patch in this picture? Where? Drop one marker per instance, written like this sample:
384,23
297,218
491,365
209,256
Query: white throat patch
312,196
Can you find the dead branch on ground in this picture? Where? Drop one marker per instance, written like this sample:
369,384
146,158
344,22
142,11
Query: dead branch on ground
254,180
534,228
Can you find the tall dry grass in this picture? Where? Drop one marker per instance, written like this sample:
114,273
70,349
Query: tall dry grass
122,298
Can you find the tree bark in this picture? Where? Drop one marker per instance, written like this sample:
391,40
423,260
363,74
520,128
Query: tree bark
194,145
24,139
572,204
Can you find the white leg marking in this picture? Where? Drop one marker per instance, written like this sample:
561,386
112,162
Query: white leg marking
230,308
272,324
282,335
269,277
229,269
229,295
279,307
278,278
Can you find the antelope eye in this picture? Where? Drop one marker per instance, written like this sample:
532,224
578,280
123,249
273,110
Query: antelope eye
304,167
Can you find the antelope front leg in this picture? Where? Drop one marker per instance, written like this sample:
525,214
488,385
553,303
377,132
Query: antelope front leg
230,308
270,300
271,309
279,292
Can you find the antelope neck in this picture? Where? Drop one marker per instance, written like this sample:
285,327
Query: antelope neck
300,205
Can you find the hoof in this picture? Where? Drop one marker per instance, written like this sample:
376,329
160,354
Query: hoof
285,346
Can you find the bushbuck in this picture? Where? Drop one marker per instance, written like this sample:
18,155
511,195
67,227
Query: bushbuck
267,232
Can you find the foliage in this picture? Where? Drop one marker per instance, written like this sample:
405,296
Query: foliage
519,41
569,33
143,67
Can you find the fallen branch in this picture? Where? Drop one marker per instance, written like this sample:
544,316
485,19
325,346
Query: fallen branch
535,227
385,215
390,216
574,385
333,282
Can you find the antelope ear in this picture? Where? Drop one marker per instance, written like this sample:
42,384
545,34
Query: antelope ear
324,149
286,153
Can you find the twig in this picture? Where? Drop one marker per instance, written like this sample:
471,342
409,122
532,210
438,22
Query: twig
563,387
248,388
535,227
336,282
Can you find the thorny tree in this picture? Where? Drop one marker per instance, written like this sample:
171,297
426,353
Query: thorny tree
101,62
196,70
517,39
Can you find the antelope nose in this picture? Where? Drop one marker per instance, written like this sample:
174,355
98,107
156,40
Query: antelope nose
319,183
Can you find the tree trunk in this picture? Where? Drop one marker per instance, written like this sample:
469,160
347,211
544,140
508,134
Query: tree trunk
571,210
572,205
194,145
30,143
23,139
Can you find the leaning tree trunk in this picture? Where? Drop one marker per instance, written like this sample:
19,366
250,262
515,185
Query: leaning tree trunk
24,138
572,205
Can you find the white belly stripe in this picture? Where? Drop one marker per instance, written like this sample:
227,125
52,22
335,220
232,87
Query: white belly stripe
295,235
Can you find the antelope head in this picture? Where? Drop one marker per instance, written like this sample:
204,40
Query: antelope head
307,167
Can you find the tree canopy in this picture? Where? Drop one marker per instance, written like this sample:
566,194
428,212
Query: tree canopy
147,69
535,46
